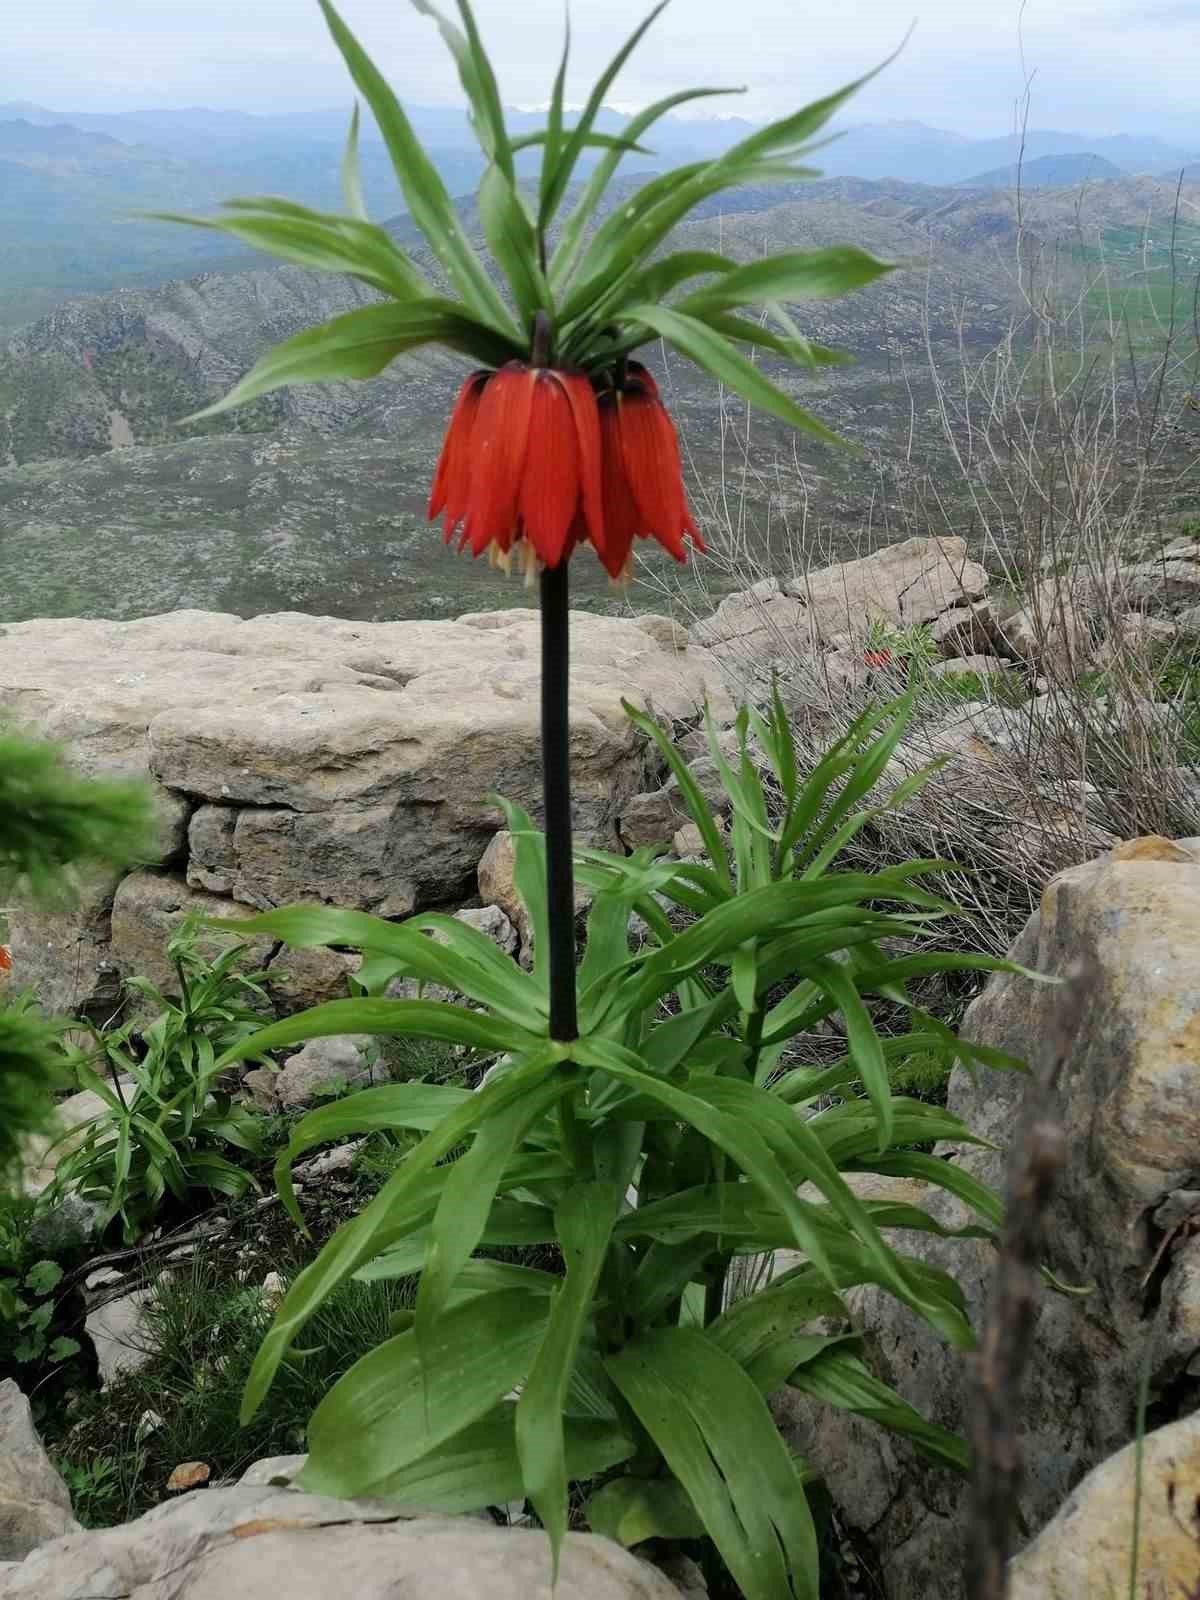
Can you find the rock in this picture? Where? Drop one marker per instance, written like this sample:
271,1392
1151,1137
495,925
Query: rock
263,1473
298,979
148,911
273,1290
306,779
1088,1548
497,885
965,630
1187,624
1049,631
689,841
651,818
1137,640
120,1336
493,922
238,1543
35,1504
977,666
149,1422
1130,1103
188,1475
323,1067
1152,847
45,1155
1167,585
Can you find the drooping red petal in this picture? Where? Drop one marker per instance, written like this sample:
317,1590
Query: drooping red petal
550,481
577,387
452,478
650,453
622,520
499,443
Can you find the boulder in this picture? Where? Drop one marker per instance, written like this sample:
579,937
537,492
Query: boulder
121,1336
35,1504
1130,1103
1167,585
323,1067
1049,632
148,910
240,1542
965,630
44,1153
1088,1549
493,922
976,666
1137,638
305,757
651,818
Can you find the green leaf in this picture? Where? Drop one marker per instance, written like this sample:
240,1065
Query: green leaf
400,1206
840,1379
720,1441
554,128
564,168
512,241
663,276
361,344
63,1349
865,1049
479,1467
790,275
566,255
425,193
426,1019
467,1199
352,189
698,807
583,1221
594,141
631,1510
43,1277
529,880
721,360
478,80
393,1406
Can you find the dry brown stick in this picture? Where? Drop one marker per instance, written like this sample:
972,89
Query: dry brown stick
1037,1158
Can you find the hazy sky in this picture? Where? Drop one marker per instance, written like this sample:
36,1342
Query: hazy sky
1102,66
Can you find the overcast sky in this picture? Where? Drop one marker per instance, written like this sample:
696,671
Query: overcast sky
1102,66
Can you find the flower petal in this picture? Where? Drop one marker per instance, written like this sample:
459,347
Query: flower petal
650,453
622,520
499,441
549,490
451,480
577,387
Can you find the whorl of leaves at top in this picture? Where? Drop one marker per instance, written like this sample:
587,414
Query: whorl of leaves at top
601,283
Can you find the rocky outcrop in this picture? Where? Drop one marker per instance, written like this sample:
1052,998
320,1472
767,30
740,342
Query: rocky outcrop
1123,1226
307,758
776,624
1088,1549
241,1542
35,1505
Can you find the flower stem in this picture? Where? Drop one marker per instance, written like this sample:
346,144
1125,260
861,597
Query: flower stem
556,777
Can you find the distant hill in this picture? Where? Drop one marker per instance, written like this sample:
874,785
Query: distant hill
1046,172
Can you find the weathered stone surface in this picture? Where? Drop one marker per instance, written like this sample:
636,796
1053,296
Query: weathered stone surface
1130,1104
298,978
1048,632
35,1505
296,774
120,1335
44,1153
980,666
1166,586
323,1066
1088,1548
497,884
235,1544
492,921
651,818
149,908
965,630
1137,639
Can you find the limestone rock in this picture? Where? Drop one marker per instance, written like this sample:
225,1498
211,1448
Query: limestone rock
35,1504
497,884
981,666
1161,586
1088,1548
652,818
323,1066
965,630
494,922
1130,1104
120,1335
148,910
63,951
300,978
1137,639
1049,632
44,1154
235,1543
904,584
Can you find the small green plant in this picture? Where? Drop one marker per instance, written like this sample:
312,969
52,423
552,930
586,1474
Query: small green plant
165,1135
910,651
652,1151
92,1485
30,1321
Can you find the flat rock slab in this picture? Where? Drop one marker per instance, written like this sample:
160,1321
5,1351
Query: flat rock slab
240,1543
310,758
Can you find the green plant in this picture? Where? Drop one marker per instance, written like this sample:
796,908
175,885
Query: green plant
91,1484
30,1325
663,1143
166,1133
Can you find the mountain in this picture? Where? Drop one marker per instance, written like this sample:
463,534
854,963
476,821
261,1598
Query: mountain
1046,172
313,498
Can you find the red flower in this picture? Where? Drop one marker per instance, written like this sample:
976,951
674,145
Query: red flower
532,461
5,958
521,464
877,658
643,476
